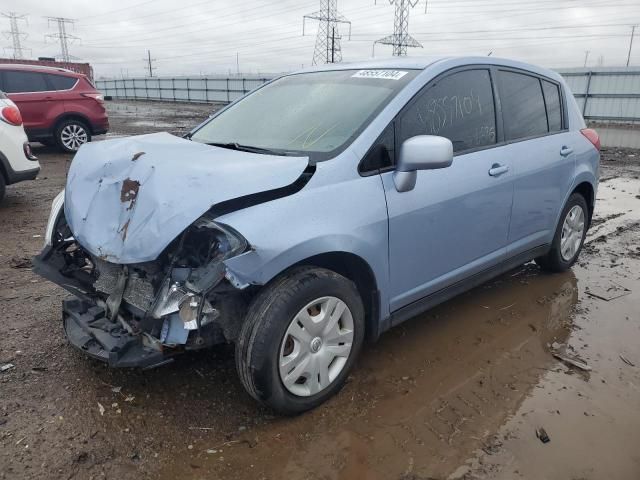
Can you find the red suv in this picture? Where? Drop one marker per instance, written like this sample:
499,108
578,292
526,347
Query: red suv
58,106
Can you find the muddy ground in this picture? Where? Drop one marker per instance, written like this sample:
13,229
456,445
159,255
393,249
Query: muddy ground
456,393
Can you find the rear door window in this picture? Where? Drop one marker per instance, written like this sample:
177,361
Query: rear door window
59,82
24,82
459,107
523,107
552,101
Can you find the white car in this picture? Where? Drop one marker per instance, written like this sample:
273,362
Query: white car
17,162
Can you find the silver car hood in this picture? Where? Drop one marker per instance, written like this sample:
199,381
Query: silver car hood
127,199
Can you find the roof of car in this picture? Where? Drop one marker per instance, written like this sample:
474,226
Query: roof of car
417,63
421,63
26,66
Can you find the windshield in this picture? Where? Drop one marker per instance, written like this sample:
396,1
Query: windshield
311,113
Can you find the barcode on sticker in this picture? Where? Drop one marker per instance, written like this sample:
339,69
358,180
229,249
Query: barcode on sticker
385,74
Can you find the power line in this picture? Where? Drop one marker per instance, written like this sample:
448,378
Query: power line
15,34
204,27
249,49
245,18
172,11
400,38
62,35
118,10
428,36
460,35
327,49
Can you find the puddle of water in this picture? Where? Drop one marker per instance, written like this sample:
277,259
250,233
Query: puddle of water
429,389
617,205
592,420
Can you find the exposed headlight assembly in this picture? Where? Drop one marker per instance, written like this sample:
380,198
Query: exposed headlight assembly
197,267
222,242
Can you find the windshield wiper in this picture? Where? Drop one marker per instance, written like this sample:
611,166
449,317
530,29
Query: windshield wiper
246,148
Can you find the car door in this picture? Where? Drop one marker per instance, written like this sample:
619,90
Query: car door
455,222
30,92
541,152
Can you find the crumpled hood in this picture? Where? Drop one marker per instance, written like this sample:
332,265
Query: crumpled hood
127,199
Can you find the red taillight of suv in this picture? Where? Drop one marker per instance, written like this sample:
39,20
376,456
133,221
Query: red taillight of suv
592,136
96,96
11,115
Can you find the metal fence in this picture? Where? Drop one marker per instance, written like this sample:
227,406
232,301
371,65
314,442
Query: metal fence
603,94
606,94
181,89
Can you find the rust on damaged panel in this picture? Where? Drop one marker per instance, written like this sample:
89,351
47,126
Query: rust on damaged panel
129,192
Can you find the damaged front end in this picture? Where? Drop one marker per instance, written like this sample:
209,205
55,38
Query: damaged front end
143,314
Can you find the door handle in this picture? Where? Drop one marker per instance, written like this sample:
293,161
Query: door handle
566,151
497,169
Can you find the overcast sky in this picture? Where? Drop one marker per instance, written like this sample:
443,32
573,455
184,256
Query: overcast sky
204,36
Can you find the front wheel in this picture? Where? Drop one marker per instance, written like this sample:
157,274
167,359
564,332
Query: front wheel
569,237
300,338
71,135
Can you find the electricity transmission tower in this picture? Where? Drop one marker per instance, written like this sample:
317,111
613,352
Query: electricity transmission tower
327,48
400,38
15,35
62,35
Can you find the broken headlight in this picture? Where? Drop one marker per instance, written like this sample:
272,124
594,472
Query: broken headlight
56,207
206,245
196,267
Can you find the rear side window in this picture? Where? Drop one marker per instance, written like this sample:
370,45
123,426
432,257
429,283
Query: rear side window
21,82
58,82
552,101
522,105
459,107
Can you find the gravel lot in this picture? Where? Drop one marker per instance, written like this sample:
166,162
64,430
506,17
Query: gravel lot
456,393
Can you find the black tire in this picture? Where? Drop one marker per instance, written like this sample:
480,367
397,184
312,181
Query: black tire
3,187
267,321
71,125
553,261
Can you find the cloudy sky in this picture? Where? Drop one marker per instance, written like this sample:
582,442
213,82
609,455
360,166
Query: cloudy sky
204,36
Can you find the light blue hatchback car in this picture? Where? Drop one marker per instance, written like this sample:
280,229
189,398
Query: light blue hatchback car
319,210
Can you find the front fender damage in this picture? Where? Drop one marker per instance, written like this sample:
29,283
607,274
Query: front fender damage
137,244
144,314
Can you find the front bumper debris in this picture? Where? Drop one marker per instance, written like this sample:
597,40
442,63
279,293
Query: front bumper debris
89,330
142,315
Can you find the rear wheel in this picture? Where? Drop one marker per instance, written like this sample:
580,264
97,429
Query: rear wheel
569,236
300,338
72,134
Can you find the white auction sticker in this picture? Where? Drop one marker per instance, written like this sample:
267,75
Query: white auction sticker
385,74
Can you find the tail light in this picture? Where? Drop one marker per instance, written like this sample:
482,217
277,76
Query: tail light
11,115
96,96
592,136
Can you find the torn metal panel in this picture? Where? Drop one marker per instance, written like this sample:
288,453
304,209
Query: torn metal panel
127,199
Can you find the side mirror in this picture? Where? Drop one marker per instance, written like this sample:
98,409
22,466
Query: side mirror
422,152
